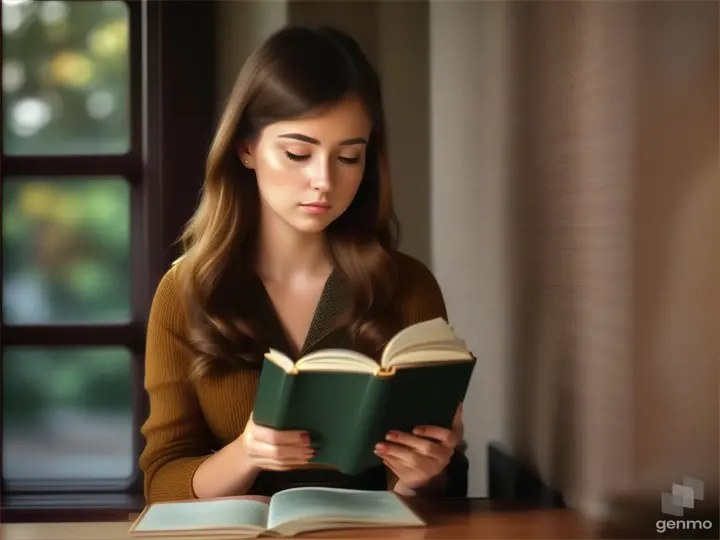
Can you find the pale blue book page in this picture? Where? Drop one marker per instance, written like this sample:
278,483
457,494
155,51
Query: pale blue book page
316,503
220,514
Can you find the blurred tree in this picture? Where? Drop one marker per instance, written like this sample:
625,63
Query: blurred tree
66,251
66,242
65,77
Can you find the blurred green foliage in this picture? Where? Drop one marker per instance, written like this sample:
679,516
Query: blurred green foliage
85,380
66,251
66,77
66,241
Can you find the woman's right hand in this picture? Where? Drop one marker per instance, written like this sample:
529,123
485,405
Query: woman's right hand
275,450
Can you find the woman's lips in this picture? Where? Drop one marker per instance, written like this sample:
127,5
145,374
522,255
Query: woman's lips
315,208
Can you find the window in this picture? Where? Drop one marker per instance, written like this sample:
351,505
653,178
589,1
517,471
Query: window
66,77
72,236
101,167
74,423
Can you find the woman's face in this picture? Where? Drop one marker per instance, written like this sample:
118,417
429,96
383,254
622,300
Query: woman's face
309,169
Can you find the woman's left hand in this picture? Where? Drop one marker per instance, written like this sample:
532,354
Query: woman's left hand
420,457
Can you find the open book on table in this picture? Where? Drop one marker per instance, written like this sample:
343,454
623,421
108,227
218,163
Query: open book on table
288,513
348,401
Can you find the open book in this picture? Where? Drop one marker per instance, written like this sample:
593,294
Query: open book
427,342
347,402
288,513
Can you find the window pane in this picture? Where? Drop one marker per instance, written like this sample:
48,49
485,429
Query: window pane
67,414
65,77
66,251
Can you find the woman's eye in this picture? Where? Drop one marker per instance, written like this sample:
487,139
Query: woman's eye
296,157
304,157
349,161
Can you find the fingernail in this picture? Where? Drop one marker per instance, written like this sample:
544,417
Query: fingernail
418,431
380,448
391,435
305,438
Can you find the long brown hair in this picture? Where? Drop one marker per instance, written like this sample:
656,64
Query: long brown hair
296,70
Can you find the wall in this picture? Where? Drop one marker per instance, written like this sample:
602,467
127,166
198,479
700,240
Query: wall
469,116
404,65
242,26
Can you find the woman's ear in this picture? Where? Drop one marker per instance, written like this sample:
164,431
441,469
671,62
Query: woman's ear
246,156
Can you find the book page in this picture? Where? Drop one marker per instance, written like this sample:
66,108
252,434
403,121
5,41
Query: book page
340,506
280,360
211,514
433,332
337,360
434,355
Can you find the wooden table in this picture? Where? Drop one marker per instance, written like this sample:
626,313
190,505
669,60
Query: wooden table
476,519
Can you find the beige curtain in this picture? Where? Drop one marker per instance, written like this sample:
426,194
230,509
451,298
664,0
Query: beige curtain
618,201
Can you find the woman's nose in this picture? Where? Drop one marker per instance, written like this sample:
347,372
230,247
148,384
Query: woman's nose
321,176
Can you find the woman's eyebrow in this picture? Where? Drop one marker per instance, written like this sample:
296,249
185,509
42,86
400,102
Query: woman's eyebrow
305,138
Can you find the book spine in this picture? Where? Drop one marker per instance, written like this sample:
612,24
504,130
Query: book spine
273,396
283,400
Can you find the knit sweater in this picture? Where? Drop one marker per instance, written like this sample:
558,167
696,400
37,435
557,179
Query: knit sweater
189,419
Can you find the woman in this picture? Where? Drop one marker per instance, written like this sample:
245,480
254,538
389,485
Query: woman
291,248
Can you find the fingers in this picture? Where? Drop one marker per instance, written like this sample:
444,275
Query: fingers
410,477
428,458
399,453
418,444
275,449
276,437
278,458
280,453
399,468
447,438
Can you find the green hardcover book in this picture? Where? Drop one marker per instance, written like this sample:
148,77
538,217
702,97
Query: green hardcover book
348,401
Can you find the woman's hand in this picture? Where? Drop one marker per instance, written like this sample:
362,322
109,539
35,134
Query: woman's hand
232,470
421,457
274,450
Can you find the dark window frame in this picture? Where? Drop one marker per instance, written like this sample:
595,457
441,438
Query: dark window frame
172,71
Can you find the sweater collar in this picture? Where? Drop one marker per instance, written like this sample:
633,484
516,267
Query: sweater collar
335,300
